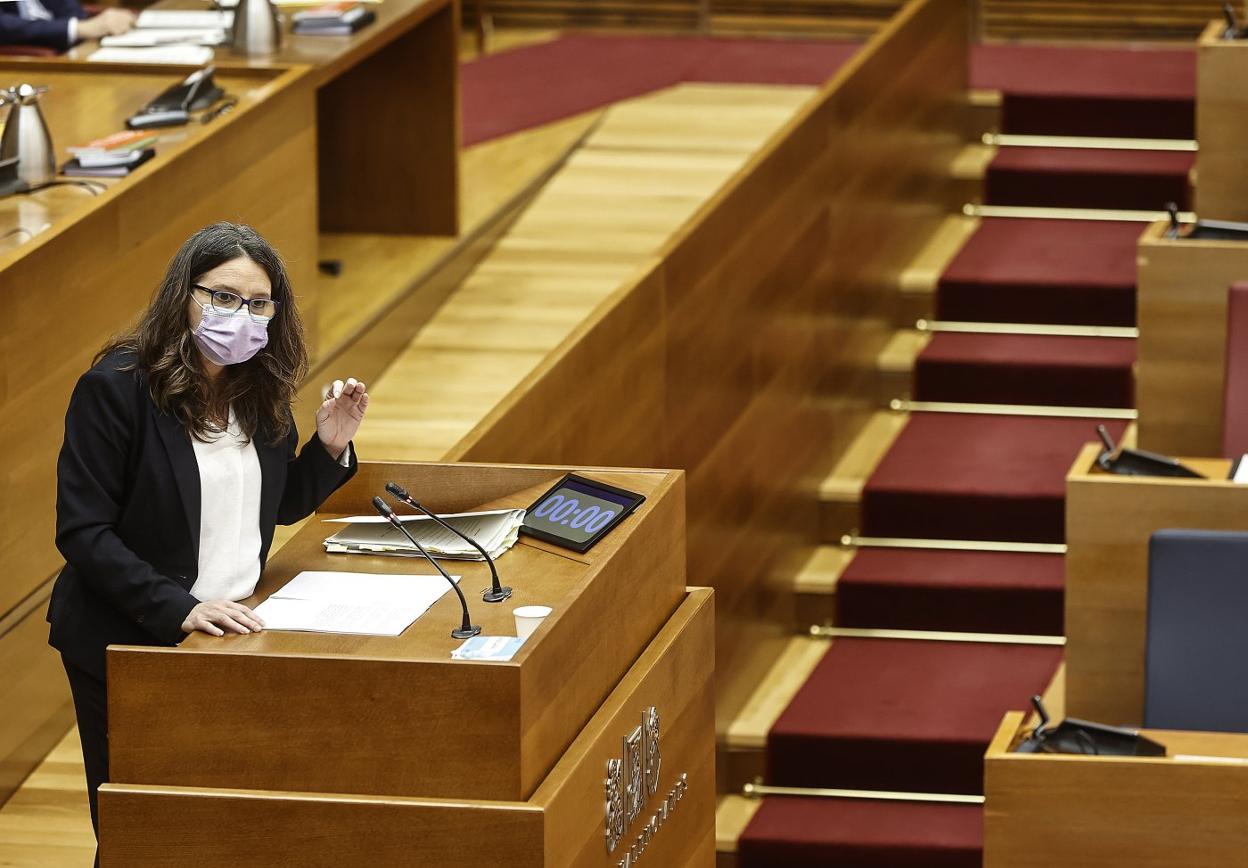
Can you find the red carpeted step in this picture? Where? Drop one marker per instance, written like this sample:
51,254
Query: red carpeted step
1073,91
1043,271
1088,178
905,715
976,477
1026,369
977,592
526,87
817,833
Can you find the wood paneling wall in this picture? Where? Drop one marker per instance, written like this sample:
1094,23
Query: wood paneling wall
856,19
741,353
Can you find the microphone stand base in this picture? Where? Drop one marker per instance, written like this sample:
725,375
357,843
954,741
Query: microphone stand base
493,596
461,633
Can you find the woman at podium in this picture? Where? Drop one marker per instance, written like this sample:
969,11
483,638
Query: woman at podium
180,456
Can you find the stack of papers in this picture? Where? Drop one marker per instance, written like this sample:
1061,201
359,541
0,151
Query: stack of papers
496,531
496,648
184,55
365,604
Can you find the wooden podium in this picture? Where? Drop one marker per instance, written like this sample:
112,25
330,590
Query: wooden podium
1182,314
1076,811
285,749
1221,125
1109,521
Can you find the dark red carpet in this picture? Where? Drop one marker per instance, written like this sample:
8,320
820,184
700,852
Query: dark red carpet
1026,369
1049,90
817,833
1088,178
959,476
1043,271
1235,418
903,715
976,592
526,87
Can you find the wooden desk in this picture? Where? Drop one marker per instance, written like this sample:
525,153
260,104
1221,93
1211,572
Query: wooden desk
1109,520
608,603
1046,810
561,825
1181,362
1221,125
387,115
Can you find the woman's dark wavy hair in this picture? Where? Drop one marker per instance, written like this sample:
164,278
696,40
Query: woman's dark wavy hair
261,389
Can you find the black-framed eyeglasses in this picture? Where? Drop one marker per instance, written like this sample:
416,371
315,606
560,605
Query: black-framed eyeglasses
224,301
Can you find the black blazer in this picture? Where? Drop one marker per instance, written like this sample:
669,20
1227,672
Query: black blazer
127,514
52,33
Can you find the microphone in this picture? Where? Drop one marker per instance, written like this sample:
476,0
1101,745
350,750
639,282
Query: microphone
497,592
467,629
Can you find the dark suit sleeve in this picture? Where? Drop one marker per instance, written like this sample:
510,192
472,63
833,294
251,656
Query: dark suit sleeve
310,478
65,8
90,492
16,30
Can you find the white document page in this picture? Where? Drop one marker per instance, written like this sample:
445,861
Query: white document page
187,55
1241,471
184,18
165,36
358,603
496,531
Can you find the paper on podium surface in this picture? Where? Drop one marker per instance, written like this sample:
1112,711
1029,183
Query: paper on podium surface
494,648
1241,470
186,55
140,38
496,530
183,18
368,604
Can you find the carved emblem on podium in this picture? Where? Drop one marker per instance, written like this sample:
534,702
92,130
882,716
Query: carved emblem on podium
614,785
634,768
632,779
654,756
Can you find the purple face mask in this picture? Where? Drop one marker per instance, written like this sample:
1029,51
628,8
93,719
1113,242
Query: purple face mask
230,338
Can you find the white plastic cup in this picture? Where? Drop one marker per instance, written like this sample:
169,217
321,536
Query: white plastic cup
528,618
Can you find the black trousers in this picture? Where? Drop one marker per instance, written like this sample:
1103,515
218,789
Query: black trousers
91,706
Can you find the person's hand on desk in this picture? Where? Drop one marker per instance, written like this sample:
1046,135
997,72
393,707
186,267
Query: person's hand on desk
340,415
217,617
110,22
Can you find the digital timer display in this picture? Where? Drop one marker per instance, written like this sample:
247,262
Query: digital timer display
577,511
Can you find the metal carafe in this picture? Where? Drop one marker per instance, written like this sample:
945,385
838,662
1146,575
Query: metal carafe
26,135
257,29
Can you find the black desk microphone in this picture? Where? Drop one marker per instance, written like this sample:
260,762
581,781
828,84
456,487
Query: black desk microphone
497,592
467,629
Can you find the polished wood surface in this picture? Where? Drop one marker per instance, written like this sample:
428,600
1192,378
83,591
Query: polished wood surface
82,277
1078,811
1221,126
560,825
1109,520
757,389
607,604
1181,355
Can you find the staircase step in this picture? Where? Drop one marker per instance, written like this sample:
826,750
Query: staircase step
894,366
1084,91
918,282
976,477
732,815
1089,178
1026,369
959,591
1043,271
816,833
814,587
840,493
903,715
743,743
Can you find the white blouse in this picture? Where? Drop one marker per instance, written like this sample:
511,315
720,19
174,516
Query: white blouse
229,516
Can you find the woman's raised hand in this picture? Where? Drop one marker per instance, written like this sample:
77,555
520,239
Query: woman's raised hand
339,416
218,617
